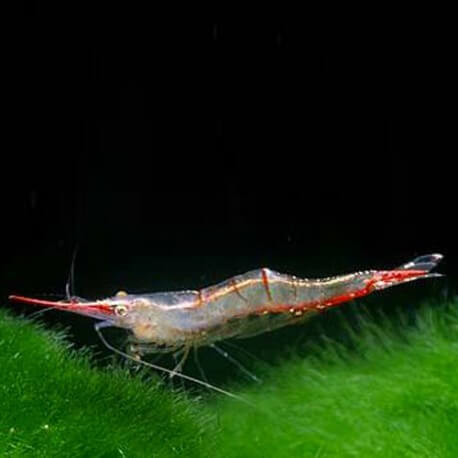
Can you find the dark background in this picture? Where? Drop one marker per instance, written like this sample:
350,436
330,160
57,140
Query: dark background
177,151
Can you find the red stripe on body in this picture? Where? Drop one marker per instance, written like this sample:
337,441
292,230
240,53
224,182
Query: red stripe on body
265,282
392,276
237,291
199,299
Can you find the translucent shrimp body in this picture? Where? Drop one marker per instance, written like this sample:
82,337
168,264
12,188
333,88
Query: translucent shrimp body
245,305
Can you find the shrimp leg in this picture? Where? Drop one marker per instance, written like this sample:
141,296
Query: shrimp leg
178,368
226,355
106,324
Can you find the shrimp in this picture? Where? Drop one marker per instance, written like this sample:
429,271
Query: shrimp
243,306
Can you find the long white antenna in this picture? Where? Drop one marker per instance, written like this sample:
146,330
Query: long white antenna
106,324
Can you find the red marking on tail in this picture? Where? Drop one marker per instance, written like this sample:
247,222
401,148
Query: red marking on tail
400,275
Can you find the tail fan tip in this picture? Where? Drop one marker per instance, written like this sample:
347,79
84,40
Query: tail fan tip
414,270
425,263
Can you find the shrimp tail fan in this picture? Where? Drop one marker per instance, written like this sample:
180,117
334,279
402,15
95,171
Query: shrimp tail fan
414,270
424,263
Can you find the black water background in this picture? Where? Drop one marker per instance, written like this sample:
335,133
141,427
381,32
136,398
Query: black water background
177,153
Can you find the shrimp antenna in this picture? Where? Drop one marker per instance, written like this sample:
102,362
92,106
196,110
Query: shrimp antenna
106,324
40,312
46,309
70,285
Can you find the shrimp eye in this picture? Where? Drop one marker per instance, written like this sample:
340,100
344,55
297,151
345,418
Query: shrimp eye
121,310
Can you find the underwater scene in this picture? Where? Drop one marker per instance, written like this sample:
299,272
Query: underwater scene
227,238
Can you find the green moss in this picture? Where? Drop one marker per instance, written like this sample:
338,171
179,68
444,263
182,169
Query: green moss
387,391
52,403
381,387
